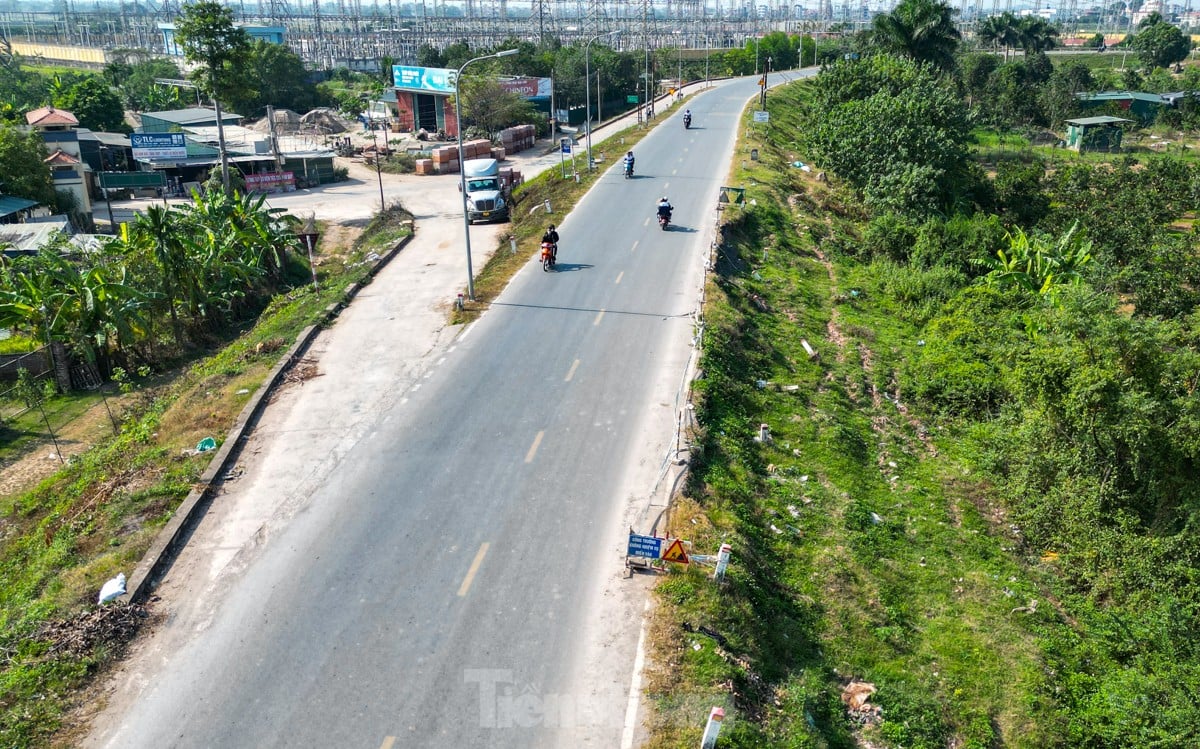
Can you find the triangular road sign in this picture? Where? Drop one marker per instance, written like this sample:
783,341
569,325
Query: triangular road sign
675,552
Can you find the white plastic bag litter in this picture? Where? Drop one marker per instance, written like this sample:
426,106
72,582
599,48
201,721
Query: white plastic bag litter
114,588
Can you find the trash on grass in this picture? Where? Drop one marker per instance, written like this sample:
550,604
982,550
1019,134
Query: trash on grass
114,588
206,444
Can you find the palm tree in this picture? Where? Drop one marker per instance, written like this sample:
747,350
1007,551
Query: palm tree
1000,31
1035,35
922,30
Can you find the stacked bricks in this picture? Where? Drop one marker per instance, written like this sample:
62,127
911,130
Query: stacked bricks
498,154
518,138
425,166
445,160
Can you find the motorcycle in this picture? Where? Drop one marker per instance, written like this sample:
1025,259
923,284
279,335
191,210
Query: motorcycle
628,170
663,220
687,122
549,255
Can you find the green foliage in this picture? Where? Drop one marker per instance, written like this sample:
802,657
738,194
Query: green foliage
921,30
95,104
486,104
135,81
896,131
209,39
1020,197
203,266
275,76
1039,265
1160,44
956,370
1122,206
21,90
25,174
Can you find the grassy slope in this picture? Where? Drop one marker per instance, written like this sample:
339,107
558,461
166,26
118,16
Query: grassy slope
60,541
863,546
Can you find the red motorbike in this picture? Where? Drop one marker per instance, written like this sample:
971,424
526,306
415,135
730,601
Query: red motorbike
549,255
663,220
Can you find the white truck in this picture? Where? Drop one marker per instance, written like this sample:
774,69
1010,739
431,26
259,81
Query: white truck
486,197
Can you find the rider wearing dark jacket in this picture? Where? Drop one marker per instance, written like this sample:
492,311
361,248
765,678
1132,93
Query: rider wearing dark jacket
551,236
665,208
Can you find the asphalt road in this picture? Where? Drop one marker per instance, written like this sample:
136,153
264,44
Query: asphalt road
434,590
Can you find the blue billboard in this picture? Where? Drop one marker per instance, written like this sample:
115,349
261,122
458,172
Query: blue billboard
158,145
426,80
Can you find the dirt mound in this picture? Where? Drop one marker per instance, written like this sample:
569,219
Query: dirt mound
286,122
325,119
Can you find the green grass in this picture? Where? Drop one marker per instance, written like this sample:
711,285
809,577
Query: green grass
98,515
862,544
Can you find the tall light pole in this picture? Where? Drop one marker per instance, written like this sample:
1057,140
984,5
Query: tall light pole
378,167
587,77
462,178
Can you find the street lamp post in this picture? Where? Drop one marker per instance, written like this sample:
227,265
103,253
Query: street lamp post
462,179
378,168
587,77
112,225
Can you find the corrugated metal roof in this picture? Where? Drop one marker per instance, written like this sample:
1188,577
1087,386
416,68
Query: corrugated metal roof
1122,96
188,116
10,204
31,236
1096,120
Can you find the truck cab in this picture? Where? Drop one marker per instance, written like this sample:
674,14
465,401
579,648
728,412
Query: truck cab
486,198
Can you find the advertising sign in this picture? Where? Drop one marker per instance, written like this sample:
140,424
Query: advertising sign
427,80
530,88
271,182
158,145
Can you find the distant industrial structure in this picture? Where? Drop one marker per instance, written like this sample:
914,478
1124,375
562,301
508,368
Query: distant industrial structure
348,33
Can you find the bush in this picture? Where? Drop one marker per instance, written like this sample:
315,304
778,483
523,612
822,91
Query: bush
957,370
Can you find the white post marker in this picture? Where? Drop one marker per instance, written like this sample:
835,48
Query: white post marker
764,433
548,207
713,729
722,561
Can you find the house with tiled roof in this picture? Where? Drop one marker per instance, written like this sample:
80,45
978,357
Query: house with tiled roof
59,129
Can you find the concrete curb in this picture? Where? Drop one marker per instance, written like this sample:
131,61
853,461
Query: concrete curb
173,537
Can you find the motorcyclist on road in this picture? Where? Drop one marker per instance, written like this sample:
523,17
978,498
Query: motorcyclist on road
665,208
551,236
629,162
687,117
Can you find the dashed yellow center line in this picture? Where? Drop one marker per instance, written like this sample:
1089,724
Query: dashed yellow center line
635,244
533,448
620,276
571,373
599,317
466,583
388,741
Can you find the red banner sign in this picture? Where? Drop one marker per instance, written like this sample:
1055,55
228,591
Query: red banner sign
271,182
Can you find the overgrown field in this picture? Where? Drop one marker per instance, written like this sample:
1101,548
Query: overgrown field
61,540
964,502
